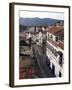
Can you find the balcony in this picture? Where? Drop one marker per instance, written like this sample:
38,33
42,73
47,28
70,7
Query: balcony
59,44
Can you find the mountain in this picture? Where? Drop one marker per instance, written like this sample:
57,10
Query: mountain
37,21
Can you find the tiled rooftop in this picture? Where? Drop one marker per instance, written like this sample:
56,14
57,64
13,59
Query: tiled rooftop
56,30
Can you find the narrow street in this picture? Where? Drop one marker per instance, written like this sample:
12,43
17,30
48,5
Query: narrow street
44,69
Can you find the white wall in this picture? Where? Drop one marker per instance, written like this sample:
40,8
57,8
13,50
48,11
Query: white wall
54,61
4,44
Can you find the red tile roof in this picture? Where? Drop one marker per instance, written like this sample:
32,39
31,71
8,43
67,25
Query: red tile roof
61,44
61,32
55,30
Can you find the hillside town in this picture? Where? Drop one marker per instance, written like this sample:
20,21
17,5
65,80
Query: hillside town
41,51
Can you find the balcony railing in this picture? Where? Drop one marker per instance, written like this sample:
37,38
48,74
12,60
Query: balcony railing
56,44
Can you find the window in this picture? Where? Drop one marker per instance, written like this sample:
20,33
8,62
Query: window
56,39
60,59
60,74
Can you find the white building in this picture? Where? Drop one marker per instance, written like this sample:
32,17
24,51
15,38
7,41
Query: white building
55,49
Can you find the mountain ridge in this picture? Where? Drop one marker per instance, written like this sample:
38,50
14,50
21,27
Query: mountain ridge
38,21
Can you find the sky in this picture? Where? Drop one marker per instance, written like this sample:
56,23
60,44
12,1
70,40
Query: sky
42,14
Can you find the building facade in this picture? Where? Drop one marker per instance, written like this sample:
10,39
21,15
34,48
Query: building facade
55,49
